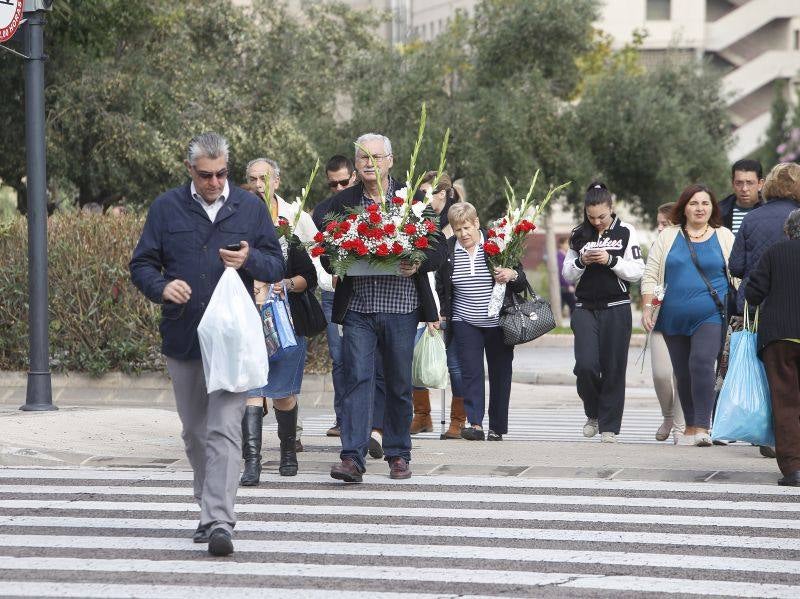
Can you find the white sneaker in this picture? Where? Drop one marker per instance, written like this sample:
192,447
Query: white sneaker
662,434
703,440
590,429
685,440
608,437
677,436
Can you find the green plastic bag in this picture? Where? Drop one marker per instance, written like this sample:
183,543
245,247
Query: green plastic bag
429,368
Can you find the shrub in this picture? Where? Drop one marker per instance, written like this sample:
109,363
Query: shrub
99,322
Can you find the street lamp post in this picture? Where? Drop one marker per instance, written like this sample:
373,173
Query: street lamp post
39,394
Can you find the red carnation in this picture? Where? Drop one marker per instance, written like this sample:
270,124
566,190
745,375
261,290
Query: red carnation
352,216
337,236
361,248
331,226
430,225
344,226
373,208
374,218
382,250
397,249
319,237
421,243
317,251
389,229
347,245
491,233
398,201
362,228
501,235
491,248
410,229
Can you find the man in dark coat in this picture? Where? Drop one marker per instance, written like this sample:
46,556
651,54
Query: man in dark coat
177,263
747,179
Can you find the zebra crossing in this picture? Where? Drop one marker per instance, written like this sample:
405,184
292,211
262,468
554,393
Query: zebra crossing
531,424
127,533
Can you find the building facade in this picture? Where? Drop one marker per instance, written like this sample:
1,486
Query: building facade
753,43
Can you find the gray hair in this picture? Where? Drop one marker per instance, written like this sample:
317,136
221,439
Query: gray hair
387,145
792,226
276,170
207,145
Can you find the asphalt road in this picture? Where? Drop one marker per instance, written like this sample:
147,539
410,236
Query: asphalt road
115,533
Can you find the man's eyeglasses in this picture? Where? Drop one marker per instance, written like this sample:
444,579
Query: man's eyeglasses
339,183
376,157
221,174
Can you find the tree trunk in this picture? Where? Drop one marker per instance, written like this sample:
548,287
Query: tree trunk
553,279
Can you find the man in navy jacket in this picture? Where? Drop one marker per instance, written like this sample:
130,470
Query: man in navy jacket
177,263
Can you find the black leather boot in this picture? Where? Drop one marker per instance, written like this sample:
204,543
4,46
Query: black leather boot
287,431
251,445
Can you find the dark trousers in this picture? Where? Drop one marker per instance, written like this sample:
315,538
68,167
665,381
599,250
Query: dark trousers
782,363
471,343
693,362
602,338
367,336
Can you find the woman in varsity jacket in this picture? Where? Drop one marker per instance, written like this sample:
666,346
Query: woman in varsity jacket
603,259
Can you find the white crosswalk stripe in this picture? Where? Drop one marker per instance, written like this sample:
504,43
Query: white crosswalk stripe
115,533
639,425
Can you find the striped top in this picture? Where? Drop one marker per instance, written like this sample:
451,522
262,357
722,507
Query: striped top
736,218
472,287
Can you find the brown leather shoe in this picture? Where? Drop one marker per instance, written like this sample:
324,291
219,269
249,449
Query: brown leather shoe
458,417
422,422
347,471
398,468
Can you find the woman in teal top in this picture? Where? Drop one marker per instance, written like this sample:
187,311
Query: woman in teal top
689,317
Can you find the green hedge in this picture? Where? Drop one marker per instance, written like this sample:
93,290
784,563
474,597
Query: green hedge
99,322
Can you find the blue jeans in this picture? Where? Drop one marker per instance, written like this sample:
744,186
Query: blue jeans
369,338
472,343
335,352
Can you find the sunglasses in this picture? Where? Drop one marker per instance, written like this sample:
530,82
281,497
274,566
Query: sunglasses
222,174
339,183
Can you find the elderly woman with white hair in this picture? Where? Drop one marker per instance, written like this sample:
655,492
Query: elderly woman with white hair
465,284
775,286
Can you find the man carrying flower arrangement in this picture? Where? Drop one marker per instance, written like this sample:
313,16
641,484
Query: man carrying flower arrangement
379,311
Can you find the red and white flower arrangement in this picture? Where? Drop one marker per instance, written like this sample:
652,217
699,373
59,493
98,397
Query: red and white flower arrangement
505,238
386,233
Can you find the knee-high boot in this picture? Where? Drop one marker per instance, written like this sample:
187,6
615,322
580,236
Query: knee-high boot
287,432
457,419
422,412
251,445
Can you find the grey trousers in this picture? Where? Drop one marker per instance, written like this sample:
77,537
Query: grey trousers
212,436
664,381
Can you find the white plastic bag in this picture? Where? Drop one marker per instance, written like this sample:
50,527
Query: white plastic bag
429,365
231,338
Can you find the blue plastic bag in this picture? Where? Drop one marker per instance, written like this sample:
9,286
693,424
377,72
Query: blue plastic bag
279,309
744,407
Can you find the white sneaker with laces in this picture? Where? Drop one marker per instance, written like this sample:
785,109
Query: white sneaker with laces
608,437
590,429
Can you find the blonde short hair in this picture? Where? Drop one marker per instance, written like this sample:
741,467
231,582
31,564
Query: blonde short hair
460,213
783,181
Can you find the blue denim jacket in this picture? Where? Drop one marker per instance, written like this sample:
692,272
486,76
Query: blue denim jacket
180,242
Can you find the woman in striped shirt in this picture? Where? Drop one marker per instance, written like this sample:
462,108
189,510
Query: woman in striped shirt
465,284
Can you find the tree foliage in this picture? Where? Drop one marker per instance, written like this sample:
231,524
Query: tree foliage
524,84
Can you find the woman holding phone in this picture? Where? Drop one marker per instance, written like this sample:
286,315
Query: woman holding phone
603,258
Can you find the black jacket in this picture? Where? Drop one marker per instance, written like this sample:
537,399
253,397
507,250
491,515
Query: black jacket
775,286
299,263
444,283
726,209
600,286
434,256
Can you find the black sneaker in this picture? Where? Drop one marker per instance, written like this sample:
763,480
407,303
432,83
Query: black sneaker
220,543
375,447
201,534
471,433
493,436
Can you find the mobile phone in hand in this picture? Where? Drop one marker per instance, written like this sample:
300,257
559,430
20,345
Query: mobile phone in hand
233,247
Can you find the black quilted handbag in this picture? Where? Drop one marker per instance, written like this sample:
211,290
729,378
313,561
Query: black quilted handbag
526,319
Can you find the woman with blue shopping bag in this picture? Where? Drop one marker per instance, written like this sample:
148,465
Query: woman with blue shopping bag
286,325
775,287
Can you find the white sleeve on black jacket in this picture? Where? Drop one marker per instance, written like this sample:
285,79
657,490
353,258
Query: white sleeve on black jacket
573,268
631,266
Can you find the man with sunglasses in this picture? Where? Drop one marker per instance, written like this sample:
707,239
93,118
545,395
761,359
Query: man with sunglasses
177,263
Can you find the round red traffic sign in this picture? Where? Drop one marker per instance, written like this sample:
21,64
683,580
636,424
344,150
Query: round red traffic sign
10,18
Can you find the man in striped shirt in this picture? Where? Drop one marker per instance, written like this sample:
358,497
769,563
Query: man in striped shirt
747,179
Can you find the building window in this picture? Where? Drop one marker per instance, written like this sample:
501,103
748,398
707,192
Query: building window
797,39
658,10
